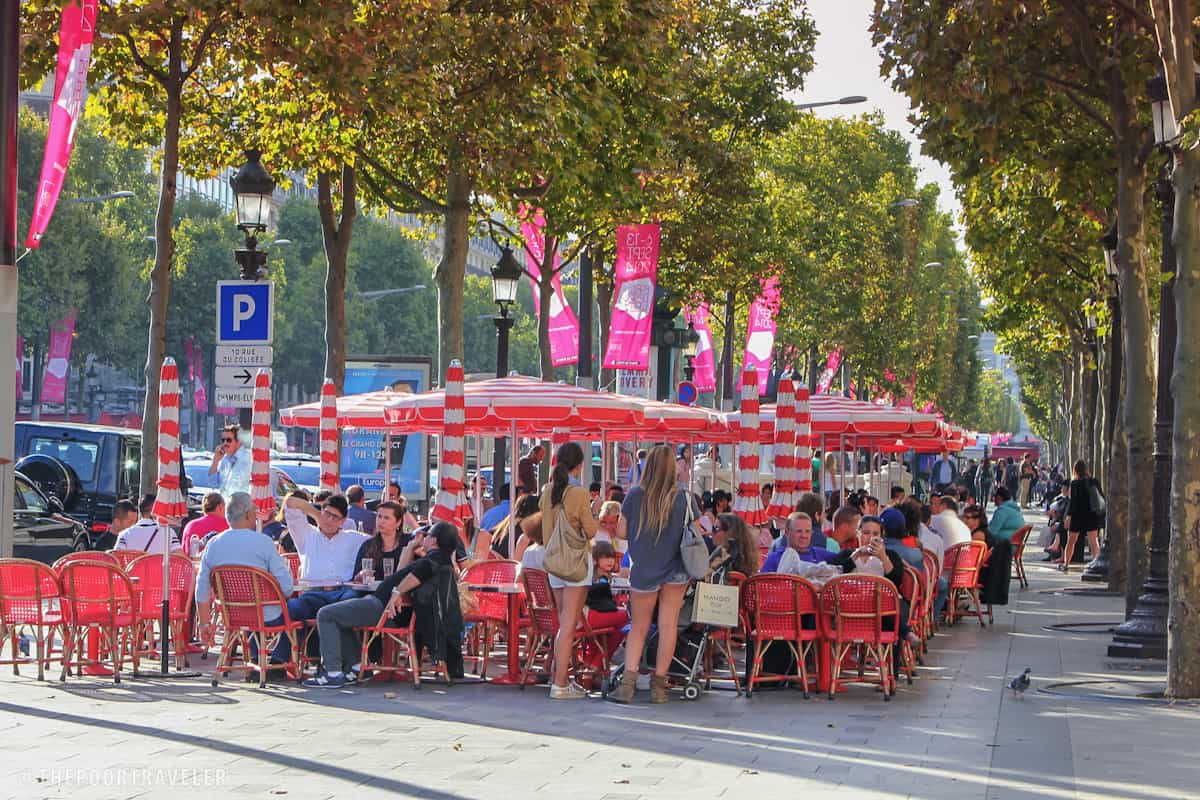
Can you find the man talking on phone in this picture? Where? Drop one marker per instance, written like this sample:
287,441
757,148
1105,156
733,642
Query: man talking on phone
231,463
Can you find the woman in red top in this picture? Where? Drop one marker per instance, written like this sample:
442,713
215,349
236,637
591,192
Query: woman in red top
213,520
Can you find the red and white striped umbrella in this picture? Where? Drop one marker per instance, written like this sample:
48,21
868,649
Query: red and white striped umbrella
353,411
784,499
803,441
558,437
452,504
170,504
329,437
748,503
260,444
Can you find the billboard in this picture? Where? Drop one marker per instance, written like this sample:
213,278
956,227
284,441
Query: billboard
362,458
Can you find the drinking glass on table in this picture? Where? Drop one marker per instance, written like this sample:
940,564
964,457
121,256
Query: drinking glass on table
367,571
389,566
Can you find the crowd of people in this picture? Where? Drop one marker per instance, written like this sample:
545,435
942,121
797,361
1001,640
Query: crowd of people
613,533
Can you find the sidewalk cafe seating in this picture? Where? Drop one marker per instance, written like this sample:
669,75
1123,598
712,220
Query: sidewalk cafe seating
861,613
240,594
780,608
97,596
29,601
148,588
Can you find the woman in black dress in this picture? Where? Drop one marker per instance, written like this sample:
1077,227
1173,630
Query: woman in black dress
1081,517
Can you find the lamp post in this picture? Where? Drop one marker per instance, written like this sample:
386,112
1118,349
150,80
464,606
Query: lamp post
849,100
1144,633
506,278
691,340
253,188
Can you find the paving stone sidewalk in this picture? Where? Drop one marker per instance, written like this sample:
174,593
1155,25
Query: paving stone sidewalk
954,734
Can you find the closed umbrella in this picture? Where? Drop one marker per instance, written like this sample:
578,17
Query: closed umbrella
803,442
170,505
784,499
748,503
260,433
329,437
451,504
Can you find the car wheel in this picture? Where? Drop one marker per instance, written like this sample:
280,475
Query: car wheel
54,477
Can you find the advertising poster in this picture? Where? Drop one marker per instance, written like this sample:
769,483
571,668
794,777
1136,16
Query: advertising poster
362,458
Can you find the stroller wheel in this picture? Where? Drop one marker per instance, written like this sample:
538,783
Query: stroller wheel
691,691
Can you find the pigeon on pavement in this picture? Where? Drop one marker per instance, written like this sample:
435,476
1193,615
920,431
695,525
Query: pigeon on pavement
1020,683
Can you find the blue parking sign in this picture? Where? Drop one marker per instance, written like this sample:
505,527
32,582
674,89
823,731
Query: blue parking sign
245,312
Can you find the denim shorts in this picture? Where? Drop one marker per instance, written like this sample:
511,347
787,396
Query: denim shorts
676,578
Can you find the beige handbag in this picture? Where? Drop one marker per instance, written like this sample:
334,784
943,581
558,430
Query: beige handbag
567,553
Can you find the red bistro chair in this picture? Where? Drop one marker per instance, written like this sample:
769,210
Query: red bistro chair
722,639
29,601
543,628
126,557
293,562
491,615
148,571
86,555
401,657
964,580
98,596
912,589
856,610
1018,554
241,594
928,622
776,608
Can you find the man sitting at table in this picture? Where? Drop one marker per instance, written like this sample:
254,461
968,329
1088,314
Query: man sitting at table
146,534
422,561
799,533
328,554
242,546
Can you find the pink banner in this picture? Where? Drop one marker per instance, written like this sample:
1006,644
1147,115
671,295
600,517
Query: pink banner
564,325
760,337
636,273
706,370
196,374
70,87
832,363
20,358
58,361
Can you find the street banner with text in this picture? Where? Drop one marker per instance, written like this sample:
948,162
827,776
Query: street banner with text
58,360
564,325
706,371
832,363
76,31
636,274
760,336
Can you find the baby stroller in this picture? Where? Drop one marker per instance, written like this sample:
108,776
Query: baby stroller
687,663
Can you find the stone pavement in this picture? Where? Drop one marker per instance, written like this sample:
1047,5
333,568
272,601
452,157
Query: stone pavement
954,734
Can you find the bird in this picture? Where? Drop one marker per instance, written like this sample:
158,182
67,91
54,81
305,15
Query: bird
1020,683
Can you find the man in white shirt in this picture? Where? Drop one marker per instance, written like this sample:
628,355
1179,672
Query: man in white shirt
242,545
327,557
146,534
946,524
231,463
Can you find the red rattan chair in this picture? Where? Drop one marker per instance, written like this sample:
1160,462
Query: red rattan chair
126,557
241,594
855,611
97,596
776,608
969,558
912,589
29,601
293,562
928,622
491,616
1018,554
86,555
722,639
400,656
148,571
543,628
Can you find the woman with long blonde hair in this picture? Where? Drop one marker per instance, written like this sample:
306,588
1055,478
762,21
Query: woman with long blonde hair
652,518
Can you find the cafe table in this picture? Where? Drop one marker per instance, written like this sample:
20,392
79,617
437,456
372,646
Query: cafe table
514,593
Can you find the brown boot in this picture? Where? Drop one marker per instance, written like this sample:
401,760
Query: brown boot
658,688
624,691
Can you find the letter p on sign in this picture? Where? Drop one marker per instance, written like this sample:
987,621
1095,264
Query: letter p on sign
245,312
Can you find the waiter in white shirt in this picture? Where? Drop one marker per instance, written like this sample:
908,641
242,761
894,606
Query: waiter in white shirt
146,534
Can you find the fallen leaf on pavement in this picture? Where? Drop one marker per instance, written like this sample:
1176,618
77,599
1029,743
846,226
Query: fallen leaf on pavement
458,745
748,772
621,780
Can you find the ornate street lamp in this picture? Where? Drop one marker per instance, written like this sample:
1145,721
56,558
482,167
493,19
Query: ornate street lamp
506,279
1165,128
691,340
1098,570
253,188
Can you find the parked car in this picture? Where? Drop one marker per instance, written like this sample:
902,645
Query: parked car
86,468
41,530
305,471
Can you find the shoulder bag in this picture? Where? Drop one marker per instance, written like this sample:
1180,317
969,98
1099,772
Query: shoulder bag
567,552
1096,500
692,550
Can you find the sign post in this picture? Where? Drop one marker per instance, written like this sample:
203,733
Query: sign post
245,330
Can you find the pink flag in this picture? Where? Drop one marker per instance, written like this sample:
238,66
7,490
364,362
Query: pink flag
760,338
58,361
706,370
564,325
189,351
70,86
20,358
199,395
832,363
636,272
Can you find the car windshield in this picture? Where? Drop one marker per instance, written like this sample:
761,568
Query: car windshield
28,498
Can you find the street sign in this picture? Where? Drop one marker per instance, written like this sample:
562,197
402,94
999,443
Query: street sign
251,355
686,393
235,377
235,398
245,312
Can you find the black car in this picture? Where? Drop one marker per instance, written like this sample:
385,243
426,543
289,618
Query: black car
42,532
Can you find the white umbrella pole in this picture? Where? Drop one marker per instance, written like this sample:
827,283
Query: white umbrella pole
387,466
476,487
604,461
512,494
165,532
691,464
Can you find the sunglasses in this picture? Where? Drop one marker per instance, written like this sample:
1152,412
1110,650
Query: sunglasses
223,439
331,512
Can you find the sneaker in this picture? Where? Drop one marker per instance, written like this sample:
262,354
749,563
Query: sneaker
569,692
324,681
351,676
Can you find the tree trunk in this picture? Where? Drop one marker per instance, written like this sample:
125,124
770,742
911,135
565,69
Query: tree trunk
604,300
1183,622
1090,388
452,269
164,255
1116,523
1138,357
545,290
337,225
